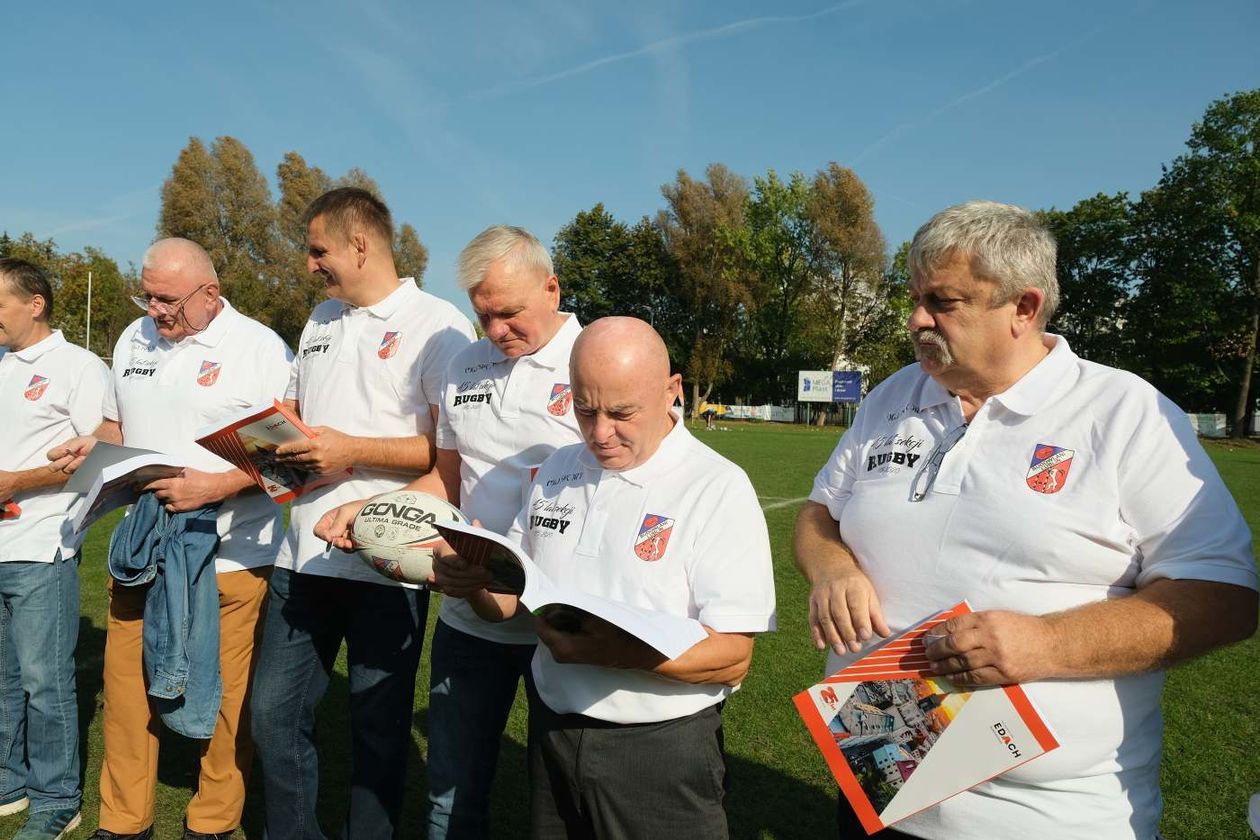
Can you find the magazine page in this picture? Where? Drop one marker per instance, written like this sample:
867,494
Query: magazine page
515,573
102,455
248,440
899,739
119,484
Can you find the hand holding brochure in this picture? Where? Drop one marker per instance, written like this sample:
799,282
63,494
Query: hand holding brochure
899,739
514,573
249,440
111,477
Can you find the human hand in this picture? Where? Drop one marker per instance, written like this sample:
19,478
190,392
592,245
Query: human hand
8,485
844,611
455,576
993,647
189,490
596,642
68,456
334,526
330,451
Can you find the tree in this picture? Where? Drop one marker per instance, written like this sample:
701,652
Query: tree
698,226
410,256
1097,274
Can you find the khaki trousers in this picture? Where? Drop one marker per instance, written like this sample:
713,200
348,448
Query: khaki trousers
129,773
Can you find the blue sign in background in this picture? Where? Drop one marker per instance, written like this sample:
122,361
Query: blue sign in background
846,386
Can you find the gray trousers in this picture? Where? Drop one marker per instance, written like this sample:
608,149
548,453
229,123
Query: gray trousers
594,779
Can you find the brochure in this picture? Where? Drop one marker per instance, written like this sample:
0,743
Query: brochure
514,573
899,739
112,476
10,509
248,440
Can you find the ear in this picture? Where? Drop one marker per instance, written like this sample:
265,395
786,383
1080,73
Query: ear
213,291
551,286
39,306
1027,315
359,244
673,388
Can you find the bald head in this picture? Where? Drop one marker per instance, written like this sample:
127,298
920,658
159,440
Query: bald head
622,390
180,256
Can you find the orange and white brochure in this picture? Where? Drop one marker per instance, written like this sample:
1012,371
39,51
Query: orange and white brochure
899,739
249,441
10,509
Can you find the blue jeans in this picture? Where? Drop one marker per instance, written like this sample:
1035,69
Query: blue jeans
471,691
308,617
39,736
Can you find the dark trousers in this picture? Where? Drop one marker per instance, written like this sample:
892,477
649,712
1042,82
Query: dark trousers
851,827
594,779
308,616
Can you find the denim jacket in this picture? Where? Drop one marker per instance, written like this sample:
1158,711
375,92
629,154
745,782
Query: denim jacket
175,551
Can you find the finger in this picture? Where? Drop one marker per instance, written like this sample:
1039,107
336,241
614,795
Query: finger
876,611
75,462
858,603
978,677
824,624
158,486
815,631
297,447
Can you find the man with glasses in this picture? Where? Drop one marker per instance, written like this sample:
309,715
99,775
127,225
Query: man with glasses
192,360
1070,503
49,390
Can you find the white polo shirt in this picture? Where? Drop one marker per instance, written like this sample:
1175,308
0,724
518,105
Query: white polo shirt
50,392
163,392
1078,484
371,371
505,417
681,533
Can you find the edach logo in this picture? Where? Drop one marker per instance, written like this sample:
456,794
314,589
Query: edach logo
999,729
406,512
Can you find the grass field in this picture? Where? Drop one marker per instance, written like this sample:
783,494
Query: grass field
781,787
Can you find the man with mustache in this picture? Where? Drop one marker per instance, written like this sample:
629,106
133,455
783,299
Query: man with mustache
368,378
1070,503
192,360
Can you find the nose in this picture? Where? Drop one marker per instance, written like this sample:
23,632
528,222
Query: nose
497,329
602,428
919,319
311,265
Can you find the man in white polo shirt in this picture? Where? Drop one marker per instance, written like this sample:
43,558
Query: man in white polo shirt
49,390
1071,505
506,406
192,360
624,744
368,377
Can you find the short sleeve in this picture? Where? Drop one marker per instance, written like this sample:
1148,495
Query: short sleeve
445,344
1186,524
834,482
445,435
87,402
276,373
731,571
122,355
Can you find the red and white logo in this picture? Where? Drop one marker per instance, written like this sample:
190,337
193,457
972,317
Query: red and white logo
209,373
389,344
36,387
560,400
1048,471
653,537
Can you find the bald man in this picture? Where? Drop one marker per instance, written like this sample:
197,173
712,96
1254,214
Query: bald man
624,743
191,360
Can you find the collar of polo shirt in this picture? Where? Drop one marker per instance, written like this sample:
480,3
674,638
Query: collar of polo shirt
553,355
1041,384
209,337
388,305
664,458
32,352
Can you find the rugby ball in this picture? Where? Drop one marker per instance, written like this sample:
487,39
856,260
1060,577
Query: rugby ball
394,533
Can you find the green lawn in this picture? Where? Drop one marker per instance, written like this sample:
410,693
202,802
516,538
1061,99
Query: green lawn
781,787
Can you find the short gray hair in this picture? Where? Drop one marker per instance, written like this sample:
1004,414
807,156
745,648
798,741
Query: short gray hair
1005,244
496,243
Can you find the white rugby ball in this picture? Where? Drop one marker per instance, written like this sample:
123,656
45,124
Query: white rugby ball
394,533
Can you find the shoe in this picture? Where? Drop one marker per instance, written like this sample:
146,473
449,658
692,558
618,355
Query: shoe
49,825
189,834
17,806
105,834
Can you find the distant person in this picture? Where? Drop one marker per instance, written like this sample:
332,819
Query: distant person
1070,503
50,390
368,378
624,743
191,360
506,406
709,413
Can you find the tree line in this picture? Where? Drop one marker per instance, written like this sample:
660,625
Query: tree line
751,280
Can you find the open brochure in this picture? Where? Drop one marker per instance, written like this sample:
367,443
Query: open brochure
516,574
112,476
899,739
10,509
248,440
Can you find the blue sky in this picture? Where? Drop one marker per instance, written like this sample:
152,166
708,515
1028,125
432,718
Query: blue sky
527,112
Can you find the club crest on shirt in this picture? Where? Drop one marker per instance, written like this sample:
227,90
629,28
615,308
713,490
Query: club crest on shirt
36,387
1048,471
653,537
560,400
209,373
389,344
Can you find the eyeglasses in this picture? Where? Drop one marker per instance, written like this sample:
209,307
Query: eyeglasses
926,476
164,308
